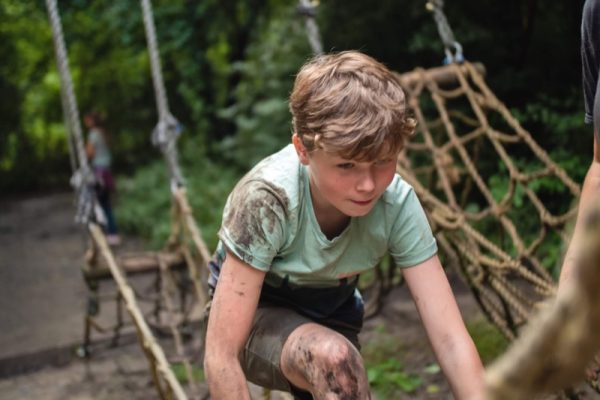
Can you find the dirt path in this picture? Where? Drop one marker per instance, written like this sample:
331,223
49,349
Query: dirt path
42,295
42,300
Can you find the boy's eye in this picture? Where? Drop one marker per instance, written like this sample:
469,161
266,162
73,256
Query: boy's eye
347,165
385,161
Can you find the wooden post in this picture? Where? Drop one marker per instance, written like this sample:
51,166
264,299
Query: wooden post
556,346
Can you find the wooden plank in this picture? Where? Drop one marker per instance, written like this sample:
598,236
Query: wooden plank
135,263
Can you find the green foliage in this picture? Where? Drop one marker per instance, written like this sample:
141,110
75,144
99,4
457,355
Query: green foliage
260,111
229,65
144,198
387,377
490,343
181,374
144,203
31,142
387,374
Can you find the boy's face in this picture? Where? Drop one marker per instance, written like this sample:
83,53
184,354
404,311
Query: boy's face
346,186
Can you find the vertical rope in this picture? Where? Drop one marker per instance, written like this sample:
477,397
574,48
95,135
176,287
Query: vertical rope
82,179
159,88
167,129
308,10
452,47
70,102
70,142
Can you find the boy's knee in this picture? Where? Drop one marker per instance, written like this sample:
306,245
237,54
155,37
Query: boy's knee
335,351
340,368
326,364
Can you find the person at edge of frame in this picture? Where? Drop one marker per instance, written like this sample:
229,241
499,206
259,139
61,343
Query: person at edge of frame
590,59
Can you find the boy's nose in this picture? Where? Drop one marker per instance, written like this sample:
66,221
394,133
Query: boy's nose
366,182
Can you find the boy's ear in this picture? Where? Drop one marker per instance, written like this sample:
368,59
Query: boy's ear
300,149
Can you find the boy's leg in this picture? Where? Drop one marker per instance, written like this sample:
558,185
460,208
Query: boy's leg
276,330
324,362
260,359
104,199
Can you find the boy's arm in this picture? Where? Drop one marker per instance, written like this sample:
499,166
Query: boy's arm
232,311
445,328
590,194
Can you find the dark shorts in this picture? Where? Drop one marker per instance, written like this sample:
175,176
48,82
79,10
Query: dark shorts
282,308
272,325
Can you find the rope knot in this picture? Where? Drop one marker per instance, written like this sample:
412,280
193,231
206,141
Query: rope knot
166,131
452,48
307,9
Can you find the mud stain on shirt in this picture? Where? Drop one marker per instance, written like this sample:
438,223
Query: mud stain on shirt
254,211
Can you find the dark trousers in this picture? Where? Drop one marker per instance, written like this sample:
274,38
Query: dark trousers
104,200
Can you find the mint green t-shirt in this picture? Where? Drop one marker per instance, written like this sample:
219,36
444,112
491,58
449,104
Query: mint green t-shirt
270,224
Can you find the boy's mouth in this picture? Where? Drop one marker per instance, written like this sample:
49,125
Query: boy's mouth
362,203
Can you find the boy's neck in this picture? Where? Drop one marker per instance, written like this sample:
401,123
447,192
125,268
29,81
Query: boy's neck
331,220
331,227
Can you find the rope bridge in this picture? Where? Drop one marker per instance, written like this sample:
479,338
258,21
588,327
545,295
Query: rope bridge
184,249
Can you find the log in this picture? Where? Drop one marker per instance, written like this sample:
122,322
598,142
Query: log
134,263
443,76
556,347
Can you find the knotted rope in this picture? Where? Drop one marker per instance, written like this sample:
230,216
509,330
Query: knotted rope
168,129
308,10
452,48
83,178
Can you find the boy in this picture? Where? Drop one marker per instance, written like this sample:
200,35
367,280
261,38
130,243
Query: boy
301,226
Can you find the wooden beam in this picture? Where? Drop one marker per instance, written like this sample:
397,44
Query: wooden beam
556,347
156,357
443,76
134,263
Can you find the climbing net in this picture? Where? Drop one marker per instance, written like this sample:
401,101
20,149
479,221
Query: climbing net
484,231
496,227
501,238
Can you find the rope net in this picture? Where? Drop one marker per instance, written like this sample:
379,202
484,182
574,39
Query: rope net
481,229
501,209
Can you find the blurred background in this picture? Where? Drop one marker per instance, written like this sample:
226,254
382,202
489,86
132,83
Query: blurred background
229,65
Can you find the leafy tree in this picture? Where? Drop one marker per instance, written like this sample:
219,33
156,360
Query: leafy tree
260,111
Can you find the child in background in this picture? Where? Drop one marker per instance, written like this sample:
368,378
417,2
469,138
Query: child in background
98,153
